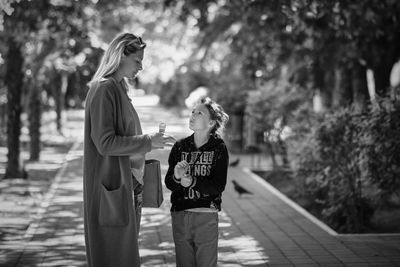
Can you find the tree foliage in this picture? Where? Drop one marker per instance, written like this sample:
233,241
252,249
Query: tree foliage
319,36
40,33
293,54
60,44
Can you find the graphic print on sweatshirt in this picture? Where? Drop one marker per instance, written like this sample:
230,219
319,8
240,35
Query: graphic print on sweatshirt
200,167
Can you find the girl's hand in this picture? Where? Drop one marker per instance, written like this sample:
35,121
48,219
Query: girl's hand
186,180
180,169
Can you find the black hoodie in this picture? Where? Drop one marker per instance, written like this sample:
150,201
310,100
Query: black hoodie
208,167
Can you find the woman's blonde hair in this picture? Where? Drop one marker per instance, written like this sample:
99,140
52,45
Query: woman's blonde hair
124,43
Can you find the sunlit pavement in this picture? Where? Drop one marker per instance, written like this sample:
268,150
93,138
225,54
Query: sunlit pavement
262,229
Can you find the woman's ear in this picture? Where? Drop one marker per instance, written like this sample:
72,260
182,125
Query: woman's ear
123,59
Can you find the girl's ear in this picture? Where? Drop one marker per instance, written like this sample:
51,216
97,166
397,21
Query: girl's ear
212,123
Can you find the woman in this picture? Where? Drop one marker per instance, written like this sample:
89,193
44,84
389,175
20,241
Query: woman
114,155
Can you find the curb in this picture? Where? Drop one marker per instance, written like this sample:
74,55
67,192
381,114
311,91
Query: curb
305,213
290,202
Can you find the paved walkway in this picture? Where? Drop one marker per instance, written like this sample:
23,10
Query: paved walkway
263,229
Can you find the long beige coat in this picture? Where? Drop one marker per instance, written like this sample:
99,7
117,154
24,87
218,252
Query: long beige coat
112,134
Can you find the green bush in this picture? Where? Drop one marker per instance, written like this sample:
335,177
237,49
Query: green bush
279,109
305,159
350,164
381,140
339,147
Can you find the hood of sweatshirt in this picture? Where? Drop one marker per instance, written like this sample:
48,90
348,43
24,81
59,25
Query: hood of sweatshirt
211,144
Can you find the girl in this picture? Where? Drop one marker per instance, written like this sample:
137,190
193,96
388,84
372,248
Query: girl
196,176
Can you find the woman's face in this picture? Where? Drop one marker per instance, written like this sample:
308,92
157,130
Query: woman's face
132,64
200,118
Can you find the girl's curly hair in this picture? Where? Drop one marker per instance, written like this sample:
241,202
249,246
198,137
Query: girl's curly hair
217,114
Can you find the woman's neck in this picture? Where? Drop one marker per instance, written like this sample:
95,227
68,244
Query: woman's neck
117,76
200,138
120,80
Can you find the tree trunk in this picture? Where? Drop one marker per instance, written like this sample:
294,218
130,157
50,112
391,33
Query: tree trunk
360,86
283,152
271,151
14,81
235,136
3,118
322,91
342,94
60,99
35,104
382,78
381,58
34,122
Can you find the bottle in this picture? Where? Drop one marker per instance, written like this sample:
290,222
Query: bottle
161,127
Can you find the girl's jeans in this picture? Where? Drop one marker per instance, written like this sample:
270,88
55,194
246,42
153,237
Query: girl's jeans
196,238
138,199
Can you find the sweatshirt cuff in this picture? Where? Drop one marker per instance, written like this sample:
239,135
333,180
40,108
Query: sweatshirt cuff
178,181
194,181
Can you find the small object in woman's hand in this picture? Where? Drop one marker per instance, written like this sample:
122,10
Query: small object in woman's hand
161,127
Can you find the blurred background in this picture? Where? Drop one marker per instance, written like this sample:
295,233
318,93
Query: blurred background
313,85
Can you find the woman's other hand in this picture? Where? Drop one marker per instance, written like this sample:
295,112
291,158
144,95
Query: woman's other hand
160,140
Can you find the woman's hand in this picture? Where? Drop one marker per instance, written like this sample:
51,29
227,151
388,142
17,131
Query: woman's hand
180,169
160,140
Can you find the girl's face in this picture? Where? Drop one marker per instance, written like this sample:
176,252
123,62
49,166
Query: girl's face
132,64
200,119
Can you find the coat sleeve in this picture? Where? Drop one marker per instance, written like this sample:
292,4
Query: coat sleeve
103,132
216,182
171,182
